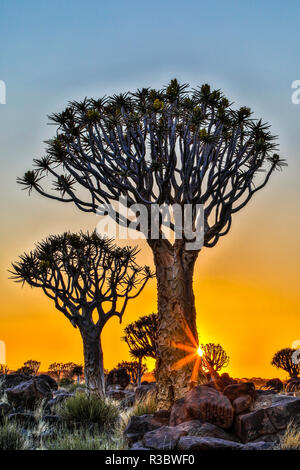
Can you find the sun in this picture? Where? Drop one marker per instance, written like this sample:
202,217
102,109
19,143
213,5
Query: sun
200,352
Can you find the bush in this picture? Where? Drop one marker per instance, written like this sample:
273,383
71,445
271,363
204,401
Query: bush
145,405
291,438
11,437
82,409
66,381
80,440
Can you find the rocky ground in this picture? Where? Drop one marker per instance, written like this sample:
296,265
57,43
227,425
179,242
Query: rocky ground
228,415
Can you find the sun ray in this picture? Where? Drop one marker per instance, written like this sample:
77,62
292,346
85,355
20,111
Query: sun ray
190,335
196,369
182,346
185,360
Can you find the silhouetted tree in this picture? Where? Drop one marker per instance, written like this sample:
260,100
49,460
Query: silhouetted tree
215,357
30,367
133,369
169,146
78,371
56,369
285,360
90,280
4,369
140,337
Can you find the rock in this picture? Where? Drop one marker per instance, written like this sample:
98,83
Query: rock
268,420
293,385
116,394
260,445
163,416
191,427
191,443
242,396
139,446
128,400
275,385
49,380
12,380
144,389
23,419
223,381
163,438
28,394
118,377
139,425
54,402
210,430
203,403
238,390
242,404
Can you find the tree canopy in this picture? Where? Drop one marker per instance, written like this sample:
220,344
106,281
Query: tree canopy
141,335
167,146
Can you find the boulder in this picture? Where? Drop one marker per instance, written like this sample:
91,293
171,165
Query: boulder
242,404
140,425
203,403
223,381
210,430
191,443
12,380
260,445
293,385
48,379
163,416
275,385
118,377
28,394
139,446
269,420
238,390
163,438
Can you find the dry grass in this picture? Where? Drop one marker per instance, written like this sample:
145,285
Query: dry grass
145,405
291,438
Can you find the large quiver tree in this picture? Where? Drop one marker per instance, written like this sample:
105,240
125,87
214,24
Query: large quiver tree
90,280
169,146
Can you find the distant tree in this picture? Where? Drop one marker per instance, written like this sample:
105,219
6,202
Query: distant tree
30,367
85,276
56,369
4,369
140,337
285,360
214,357
133,369
78,371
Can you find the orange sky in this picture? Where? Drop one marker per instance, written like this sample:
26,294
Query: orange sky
246,288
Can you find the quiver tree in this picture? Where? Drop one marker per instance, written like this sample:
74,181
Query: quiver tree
134,369
78,371
169,146
90,280
4,369
287,359
30,367
141,337
56,369
214,358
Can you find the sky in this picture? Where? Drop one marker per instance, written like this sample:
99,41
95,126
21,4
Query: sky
247,287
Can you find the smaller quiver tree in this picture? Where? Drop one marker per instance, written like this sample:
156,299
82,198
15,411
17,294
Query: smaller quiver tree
287,359
90,280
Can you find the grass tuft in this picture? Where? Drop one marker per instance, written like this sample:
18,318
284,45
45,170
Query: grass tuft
82,409
145,405
291,438
11,437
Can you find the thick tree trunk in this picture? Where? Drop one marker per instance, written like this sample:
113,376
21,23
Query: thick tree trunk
176,318
93,362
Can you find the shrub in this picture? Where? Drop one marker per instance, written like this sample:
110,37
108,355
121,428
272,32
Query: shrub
291,438
85,410
11,437
66,381
80,440
145,405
